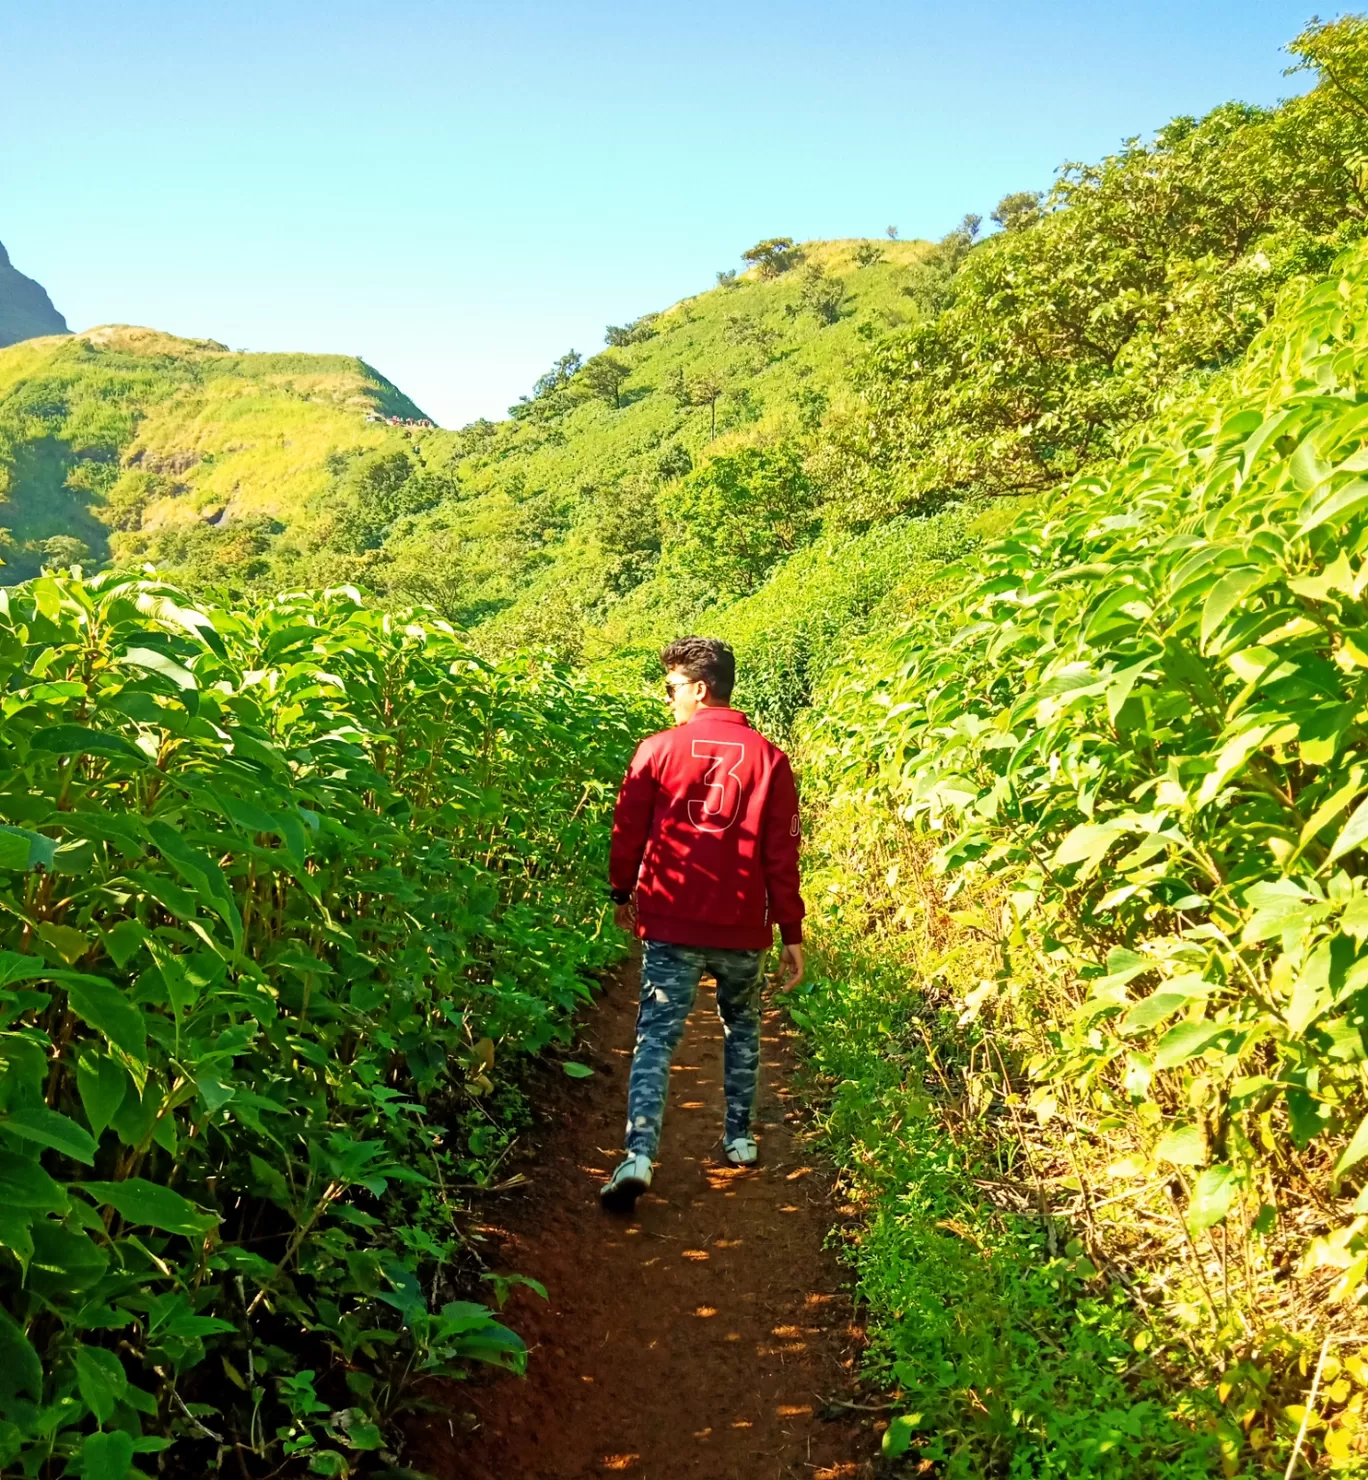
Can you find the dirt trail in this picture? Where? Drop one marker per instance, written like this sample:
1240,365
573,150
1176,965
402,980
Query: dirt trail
700,1339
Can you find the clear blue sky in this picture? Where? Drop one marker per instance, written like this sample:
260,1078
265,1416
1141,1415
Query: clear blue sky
461,192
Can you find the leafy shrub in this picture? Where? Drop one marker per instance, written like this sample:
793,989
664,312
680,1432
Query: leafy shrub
1010,1356
1161,261
1142,715
279,891
806,618
637,332
773,256
730,521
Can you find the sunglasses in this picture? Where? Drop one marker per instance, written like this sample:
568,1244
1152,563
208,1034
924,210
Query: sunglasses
670,686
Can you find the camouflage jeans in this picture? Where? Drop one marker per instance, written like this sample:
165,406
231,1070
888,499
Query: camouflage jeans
669,983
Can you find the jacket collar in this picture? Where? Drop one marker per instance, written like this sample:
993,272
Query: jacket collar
712,711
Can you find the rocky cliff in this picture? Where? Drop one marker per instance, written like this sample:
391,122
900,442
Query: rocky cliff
26,311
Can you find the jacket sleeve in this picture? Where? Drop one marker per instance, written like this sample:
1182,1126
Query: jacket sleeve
632,821
779,854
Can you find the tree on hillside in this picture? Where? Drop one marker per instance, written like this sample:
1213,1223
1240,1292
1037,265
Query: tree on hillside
674,461
740,407
726,277
1338,50
811,405
604,376
371,493
869,254
891,232
677,386
822,296
730,521
61,551
558,376
546,392
773,256
627,527
476,434
929,282
1017,211
705,390
619,336
1162,260
742,330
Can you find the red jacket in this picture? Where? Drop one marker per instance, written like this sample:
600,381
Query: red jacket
706,832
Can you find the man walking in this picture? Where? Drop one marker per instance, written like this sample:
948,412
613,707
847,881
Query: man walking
704,864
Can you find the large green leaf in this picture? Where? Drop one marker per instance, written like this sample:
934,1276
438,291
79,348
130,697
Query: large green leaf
21,1373
50,1128
159,663
65,1261
107,1010
1212,1195
82,740
24,1184
14,851
106,1456
25,850
1224,596
102,1084
101,1380
1352,835
1355,1151
1183,1146
16,1234
1186,1041
1345,502
142,1202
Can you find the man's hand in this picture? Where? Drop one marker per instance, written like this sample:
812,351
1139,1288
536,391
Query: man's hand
624,916
791,964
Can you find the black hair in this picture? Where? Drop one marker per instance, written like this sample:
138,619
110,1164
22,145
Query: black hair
705,658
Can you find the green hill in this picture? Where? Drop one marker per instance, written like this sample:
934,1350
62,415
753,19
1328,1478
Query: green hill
119,439
26,311
247,469
1046,552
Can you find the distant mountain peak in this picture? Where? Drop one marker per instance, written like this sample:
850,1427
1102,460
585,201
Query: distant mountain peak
26,311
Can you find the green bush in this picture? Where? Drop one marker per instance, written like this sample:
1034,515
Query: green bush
1009,1356
809,614
729,522
1060,334
280,890
1143,717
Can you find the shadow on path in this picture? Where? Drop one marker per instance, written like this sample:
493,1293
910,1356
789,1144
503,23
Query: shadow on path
700,1339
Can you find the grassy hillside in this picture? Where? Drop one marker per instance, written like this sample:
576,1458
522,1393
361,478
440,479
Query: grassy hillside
249,469
569,493
1049,551
108,437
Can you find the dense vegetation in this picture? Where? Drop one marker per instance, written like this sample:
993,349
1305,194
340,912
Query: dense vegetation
1100,297
1089,1028
253,470
280,889
125,439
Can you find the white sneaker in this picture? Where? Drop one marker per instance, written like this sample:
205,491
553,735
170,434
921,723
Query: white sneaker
741,1151
620,1192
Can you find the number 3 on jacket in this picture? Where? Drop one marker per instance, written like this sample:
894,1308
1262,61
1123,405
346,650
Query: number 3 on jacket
716,812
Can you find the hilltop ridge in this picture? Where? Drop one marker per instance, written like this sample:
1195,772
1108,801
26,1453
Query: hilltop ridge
130,443
120,430
26,311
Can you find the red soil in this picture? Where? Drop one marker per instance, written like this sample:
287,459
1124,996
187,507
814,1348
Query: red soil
701,1339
